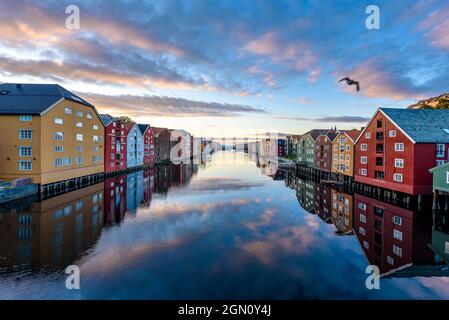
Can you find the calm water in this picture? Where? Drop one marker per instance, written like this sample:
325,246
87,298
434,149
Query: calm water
225,229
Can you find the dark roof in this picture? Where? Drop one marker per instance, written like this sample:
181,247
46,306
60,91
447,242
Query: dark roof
107,119
157,131
422,125
331,135
33,98
143,127
315,133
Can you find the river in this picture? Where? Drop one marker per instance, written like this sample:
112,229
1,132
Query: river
225,229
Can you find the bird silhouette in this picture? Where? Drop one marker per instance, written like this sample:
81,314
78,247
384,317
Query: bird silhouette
351,82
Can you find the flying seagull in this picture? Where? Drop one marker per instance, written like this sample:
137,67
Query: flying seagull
351,82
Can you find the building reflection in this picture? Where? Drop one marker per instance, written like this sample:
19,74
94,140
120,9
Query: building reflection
323,202
342,213
440,237
305,193
115,199
51,233
395,239
134,191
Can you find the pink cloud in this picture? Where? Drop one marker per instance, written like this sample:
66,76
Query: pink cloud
376,82
436,28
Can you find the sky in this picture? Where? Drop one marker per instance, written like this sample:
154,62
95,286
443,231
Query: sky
231,68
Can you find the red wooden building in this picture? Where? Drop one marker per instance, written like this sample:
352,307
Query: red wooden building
323,151
399,146
148,144
115,144
393,238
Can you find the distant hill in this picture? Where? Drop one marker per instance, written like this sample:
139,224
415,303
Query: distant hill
440,102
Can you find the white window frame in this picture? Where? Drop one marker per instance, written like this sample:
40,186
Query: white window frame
399,163
28,167
368,135
68,110
26,118
397,234
57,135
440,153
58,162
397,220
80,114
363,172
28,136
79,137
396,177
363,160
399,147
59,149
363,147
392,133
58,121
22,154
79,124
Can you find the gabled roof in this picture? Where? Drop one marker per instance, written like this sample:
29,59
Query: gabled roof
442,167
421,125
315,133
107,119
351,134
143,128
33,99
157,131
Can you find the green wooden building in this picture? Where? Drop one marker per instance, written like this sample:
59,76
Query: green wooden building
307,145
441,178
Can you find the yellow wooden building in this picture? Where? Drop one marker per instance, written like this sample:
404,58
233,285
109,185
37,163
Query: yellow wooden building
48,134
343,152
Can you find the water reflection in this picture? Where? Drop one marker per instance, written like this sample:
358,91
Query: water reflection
55,232
401,242
51,233
223,229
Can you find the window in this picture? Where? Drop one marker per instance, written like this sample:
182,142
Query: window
68,110
348,147
95,127
335,147
363,160
399,163
379,136
25,151
79,124
95,148
79,160
79,148
335,157
362,231
59,121
379,148
363,147
366,245
25,165
390,260
67,161
392,133
379,161
397,177
368,135
347,157
397,251
379,175
89,116
95,138
25,134
80,114
379,124
79,137
397,235
439,163
440,150
398,147
59,148
25,118
58,162
363,172
362,206
397,220
347,167
59,136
